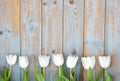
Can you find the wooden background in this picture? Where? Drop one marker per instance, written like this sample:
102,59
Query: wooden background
83,27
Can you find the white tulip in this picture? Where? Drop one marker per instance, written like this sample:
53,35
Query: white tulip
11,59
23,62
58,59
88,62
71,61
104,61
44,60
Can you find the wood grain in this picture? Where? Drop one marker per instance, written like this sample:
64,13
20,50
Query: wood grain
73,32
51,32
31,33
81,27
113,36
2,36
10,37
94,30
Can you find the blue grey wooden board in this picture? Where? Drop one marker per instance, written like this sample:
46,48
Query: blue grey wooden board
52,32
10,37
31,33
73,33
94,30
113,36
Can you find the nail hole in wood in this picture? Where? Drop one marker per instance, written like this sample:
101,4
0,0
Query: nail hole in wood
71,1
55,2
44,3
9,31
74,52
1,32
53,51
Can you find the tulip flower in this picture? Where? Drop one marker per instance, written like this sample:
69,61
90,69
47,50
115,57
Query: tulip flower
58,59
88,62
23,62
71,63
44,61
11,60
105,63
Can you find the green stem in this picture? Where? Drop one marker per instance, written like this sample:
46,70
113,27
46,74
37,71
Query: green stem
105,74
9,73
59,72
70,74
44,73
25,75
5,73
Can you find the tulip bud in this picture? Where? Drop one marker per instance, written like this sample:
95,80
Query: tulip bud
88,62
23,62
11,59
71,61
58,59
44,60
104,61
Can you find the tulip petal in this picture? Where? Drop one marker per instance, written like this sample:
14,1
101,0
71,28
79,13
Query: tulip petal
71,61
11,59
104,61
58,59
23,62
44,60
88,62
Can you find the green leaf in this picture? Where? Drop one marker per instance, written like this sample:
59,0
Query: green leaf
25,75
57,78
107,76
61,75
62,70
39,76
90,75
63,78
98,76
1,79
5,72
71,75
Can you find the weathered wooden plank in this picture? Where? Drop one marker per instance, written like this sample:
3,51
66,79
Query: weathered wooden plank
31,33
94,30
113,36
2,35
51,32
10,37
73,32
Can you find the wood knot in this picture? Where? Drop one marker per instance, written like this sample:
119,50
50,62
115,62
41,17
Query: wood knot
53,51
74,52
1,32
55,2
71,1
44,3
119,29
